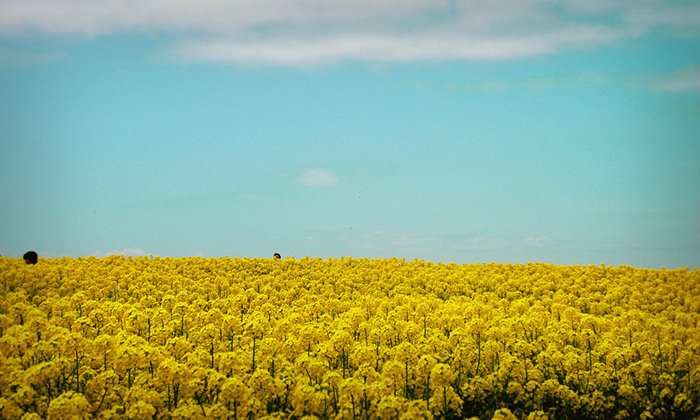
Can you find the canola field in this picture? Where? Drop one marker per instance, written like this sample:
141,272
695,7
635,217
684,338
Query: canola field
232,338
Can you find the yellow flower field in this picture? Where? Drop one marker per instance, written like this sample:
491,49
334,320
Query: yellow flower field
231,338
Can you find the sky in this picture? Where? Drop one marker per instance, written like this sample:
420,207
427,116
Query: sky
467,131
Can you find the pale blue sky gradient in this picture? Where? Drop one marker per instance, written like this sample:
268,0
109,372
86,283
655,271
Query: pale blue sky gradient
565,132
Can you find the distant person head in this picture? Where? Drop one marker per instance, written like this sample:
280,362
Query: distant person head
30,257
277,256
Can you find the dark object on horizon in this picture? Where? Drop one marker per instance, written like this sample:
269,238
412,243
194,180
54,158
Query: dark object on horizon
277,256
30,257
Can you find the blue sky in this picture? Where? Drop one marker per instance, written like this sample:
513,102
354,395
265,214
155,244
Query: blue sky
565,132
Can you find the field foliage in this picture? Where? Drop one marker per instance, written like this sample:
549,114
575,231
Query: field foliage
232,338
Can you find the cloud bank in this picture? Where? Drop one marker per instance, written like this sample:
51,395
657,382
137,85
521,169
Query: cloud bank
314,32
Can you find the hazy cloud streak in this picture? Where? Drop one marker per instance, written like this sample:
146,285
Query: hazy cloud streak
14,58
389,48
685,80
313,32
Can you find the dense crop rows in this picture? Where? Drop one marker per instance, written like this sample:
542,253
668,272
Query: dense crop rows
161,338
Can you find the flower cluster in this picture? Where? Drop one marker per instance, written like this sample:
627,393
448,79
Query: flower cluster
232,338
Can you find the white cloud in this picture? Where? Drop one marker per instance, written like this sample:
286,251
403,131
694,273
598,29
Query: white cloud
479,243
319,178
312,32
538,241
134,252
684,80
